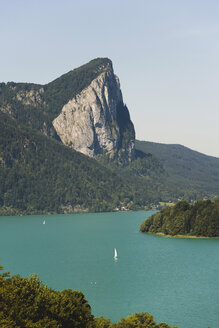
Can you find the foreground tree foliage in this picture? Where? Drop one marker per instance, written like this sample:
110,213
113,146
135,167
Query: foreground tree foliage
139,320
200,219
26,303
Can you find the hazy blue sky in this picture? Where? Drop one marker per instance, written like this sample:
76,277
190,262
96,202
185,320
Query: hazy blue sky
165,52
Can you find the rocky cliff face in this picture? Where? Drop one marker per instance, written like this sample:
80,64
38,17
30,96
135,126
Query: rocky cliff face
96,122
83,109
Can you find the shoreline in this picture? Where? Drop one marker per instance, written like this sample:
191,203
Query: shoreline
161,234
73,212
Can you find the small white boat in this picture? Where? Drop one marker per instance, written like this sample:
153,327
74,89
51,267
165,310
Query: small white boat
115,254
44,221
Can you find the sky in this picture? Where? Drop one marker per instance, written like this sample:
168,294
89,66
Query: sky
165,53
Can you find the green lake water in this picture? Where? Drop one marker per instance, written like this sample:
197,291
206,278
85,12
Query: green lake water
175,279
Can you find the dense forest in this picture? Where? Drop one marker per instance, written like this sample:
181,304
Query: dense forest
191,170
27,303
39,174
200,219
152,182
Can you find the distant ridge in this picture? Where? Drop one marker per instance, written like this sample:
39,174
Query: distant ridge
190,168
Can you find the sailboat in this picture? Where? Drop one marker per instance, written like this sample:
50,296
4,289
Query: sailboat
115,254
44,222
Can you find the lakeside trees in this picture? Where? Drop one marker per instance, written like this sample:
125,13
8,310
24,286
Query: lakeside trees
200,219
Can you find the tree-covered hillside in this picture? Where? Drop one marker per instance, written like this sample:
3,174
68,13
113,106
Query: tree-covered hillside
147,176
153,182
189,169
39,174
200,219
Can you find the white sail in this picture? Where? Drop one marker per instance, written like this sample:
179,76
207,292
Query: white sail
44,222
115,253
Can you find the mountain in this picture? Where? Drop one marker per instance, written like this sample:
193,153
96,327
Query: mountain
83,108
189,169
69,145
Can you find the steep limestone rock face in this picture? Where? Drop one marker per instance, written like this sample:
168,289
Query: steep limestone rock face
96,121
83,109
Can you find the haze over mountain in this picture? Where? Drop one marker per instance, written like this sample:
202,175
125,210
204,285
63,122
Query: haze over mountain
69,146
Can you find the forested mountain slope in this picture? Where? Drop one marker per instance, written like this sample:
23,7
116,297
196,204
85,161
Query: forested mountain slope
189,168
39,174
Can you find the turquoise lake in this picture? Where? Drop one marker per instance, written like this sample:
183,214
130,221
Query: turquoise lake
175,279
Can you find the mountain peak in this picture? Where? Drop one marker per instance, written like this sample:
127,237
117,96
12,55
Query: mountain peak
101,64
95,121
83,108
92,69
